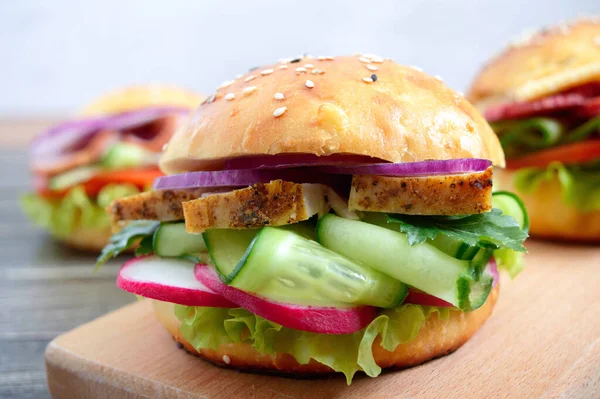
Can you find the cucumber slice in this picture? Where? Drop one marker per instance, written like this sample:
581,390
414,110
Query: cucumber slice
510,204
123,155
283,266
171,240
73,177
227,248
422,266
453,247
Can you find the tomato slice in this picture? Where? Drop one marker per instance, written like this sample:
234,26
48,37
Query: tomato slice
580,152
138,177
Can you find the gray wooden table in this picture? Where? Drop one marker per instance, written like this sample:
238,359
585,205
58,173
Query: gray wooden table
45,289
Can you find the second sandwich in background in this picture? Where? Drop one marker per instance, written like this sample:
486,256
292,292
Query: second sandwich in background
81,165
542,97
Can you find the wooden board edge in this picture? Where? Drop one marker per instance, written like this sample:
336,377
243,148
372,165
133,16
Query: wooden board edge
66,381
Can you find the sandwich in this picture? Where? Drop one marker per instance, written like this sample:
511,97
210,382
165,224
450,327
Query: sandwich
320,215
80,166
541,95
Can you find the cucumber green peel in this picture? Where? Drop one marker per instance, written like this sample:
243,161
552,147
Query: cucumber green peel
422,266
283,266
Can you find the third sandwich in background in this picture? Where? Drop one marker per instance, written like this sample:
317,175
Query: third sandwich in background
542,97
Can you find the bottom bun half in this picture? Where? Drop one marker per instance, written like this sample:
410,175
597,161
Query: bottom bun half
87,239
436,338
549,216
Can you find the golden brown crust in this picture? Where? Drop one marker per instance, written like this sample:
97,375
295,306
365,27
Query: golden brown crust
436,338
549,216
404,116
136,97
275,203
551,60
460,194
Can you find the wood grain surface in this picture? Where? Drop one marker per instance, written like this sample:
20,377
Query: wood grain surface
543,340
45,289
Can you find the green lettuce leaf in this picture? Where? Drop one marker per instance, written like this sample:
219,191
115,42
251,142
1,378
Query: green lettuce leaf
522,136
76,209
126,238
487,230
580,184
347,353
526,135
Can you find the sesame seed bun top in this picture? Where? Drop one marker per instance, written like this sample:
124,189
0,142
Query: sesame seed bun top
361,105
540,64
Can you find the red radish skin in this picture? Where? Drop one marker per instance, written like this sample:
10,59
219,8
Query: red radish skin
159,278
305,318
421,298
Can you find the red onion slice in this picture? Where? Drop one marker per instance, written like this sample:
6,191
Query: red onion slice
51,146
424,168
242,178
318,174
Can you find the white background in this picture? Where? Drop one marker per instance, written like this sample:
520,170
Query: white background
56,55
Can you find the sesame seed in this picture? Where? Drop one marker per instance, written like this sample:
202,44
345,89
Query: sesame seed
330,58
295,60
279,111
309,66
210,99
460,93
374,77
226,84
318,72
321,58
226,359
267,72
367,80
283,67
301,70
371,67
416,68
249,78
165,146
239,75
377,59
309,83
438,77
229,96
365,60
249,90
253,69
279,96
284,60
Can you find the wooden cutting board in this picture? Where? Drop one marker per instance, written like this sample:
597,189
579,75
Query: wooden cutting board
543,340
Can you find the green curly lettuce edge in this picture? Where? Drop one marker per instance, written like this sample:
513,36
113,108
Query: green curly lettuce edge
61,216
580,187
208,328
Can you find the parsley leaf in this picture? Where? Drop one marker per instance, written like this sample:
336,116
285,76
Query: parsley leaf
486,230
146,247
125,238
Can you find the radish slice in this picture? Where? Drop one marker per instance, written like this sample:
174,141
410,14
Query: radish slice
421,298
306,318
169,280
